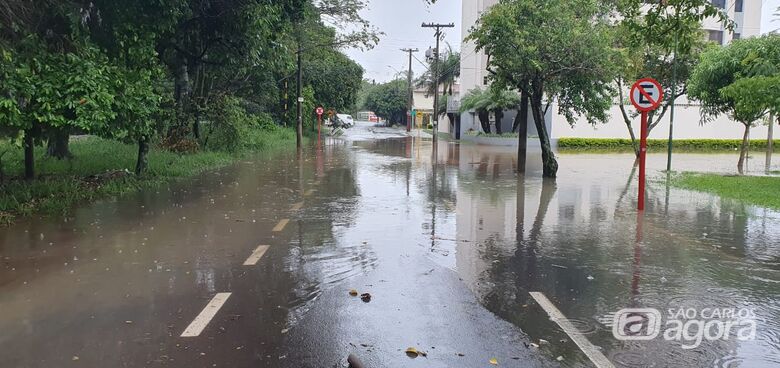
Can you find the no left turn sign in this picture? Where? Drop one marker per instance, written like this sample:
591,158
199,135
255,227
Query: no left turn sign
647,94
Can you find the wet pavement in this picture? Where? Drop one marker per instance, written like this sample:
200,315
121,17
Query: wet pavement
447,239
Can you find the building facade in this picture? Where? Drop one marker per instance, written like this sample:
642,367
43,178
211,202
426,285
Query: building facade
745,13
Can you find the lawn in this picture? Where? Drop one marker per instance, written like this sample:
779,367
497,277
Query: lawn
758,190
101,168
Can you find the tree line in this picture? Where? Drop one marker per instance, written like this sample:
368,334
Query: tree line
185,74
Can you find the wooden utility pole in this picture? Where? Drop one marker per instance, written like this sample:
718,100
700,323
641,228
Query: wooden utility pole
411,90
438,27
299,126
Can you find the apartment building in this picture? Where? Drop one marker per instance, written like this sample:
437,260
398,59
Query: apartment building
745,13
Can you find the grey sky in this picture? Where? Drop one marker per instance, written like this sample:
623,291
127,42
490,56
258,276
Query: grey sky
401,20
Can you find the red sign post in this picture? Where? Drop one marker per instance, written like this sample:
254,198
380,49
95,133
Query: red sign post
646,95
319,111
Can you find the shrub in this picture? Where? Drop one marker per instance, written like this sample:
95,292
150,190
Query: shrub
683,144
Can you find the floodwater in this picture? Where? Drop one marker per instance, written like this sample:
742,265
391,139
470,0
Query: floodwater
446,238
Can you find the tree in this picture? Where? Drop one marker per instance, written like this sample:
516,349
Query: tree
662,40
729,79
552,50
448,73
493,100
335,78
389,100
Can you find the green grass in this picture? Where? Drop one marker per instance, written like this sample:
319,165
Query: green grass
624,144
98,170
757,190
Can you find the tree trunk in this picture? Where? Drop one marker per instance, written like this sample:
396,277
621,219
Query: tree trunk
743,150
143,156
29,155
59,144
182,87
521,122
484,120
627,120
499,114
549,163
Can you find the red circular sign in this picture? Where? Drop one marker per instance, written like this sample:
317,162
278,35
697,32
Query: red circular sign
646,94
320,111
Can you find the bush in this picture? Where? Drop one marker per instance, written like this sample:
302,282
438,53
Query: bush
682,144
231,129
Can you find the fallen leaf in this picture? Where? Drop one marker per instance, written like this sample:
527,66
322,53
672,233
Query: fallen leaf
365,297
493,361
412,352
353,292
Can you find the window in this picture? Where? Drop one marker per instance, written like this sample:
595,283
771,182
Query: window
719,3
738,6
737,36
716,36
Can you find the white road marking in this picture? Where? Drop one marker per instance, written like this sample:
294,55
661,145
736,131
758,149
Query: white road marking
297,206
591,351
256,255
280,226
202,320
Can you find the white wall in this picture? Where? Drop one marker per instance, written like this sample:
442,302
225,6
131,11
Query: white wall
687,125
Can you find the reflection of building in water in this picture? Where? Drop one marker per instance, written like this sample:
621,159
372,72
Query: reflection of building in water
486,208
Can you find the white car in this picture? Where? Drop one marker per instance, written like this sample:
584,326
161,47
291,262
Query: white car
346,120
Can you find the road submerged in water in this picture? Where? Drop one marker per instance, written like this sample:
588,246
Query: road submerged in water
253,265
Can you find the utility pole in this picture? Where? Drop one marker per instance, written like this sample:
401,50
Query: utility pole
411,90
299,127
770,142
670,145
438,27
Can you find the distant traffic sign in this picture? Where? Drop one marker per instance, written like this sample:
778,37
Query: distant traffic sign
647,94
320,111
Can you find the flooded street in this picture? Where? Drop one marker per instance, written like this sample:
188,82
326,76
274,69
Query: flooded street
448,240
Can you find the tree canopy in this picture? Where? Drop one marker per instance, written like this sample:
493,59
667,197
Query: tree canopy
738,80
558,50
138,70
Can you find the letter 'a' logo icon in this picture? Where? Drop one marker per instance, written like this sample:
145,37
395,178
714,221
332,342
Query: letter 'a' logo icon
636,324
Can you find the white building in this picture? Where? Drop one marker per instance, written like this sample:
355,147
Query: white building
745,13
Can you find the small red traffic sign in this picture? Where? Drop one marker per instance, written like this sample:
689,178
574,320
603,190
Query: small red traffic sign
320,111
647,94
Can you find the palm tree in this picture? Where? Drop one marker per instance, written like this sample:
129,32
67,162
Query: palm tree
477,100
448,73
493,100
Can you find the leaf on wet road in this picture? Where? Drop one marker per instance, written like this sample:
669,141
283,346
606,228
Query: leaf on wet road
493,361
353,292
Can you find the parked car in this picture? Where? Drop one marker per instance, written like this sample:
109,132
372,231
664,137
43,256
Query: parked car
345,120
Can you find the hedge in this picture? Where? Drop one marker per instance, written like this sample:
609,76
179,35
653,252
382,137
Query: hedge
683,144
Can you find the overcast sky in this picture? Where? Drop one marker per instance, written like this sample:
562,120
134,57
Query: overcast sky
400,20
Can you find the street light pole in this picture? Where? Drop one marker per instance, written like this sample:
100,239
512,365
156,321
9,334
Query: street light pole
299,127
411,91
436,72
